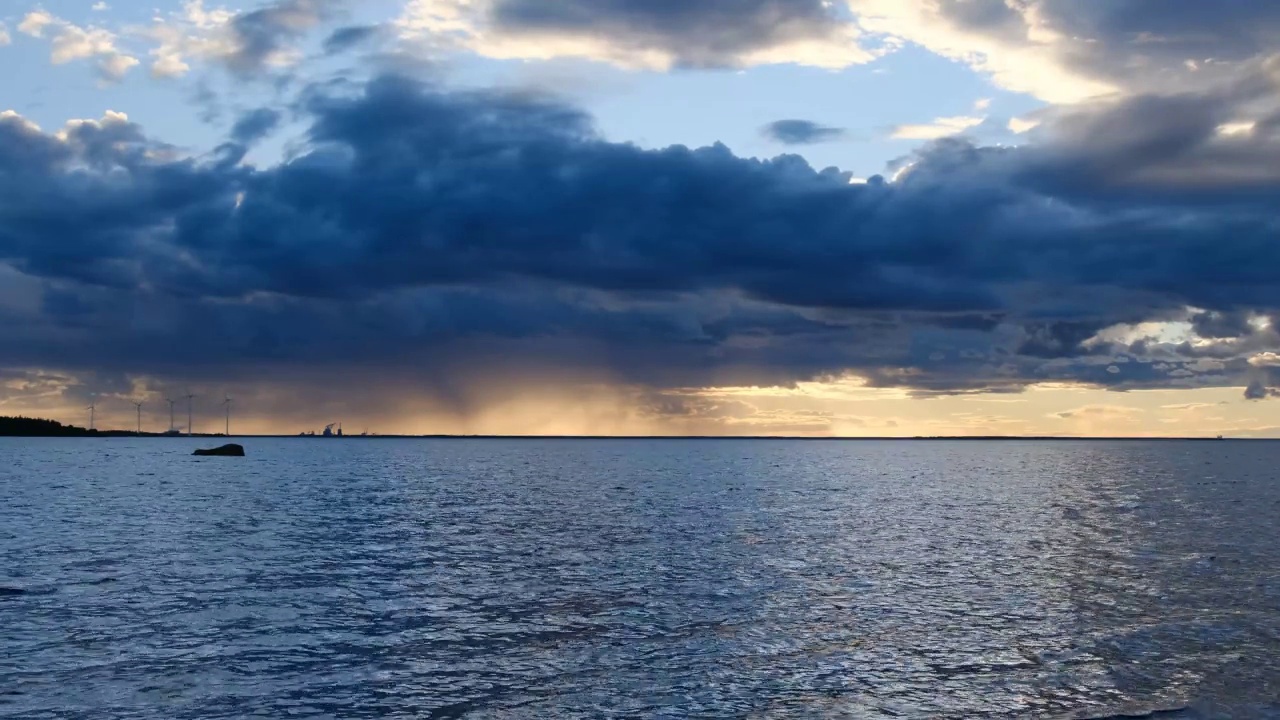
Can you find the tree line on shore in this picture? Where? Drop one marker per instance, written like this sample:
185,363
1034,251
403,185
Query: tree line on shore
37,427
11,426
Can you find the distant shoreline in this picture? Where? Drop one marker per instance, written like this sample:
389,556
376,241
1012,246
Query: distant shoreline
34,428
852,438
39,427
118,434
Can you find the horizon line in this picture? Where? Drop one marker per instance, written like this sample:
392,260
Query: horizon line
115,434
73,431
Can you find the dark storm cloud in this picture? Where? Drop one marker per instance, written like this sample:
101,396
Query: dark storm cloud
988,15
1179,29
1144,44
457,233
255,125
699,33
346,38
409,188
801,132
1257,390
1134,45
1216,325
1060,339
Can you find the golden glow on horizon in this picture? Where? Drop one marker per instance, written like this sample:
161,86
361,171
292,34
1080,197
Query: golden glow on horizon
836,408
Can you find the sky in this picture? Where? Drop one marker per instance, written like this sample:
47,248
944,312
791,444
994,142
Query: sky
625,217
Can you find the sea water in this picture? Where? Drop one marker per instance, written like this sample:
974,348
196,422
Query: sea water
639,578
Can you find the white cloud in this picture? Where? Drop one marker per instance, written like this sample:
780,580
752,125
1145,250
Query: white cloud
982,104
1099,412
5,39
195,32
72,42
1265,359
1189,407
110,117
939,128
1022,125
1030,63
35,23
1244,128
101,7
175,39
115,66
67,131
14,116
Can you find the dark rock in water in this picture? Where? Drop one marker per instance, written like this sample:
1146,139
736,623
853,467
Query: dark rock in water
224,451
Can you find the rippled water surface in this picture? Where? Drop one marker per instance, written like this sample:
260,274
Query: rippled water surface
597,579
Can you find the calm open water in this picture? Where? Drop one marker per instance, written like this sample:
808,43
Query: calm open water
598,579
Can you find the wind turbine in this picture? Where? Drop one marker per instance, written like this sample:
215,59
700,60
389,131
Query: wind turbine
189,399
92,408
170,413
227,403
139,406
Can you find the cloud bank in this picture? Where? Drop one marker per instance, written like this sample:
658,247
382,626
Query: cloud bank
658,35
438,238
447,233
1061,51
